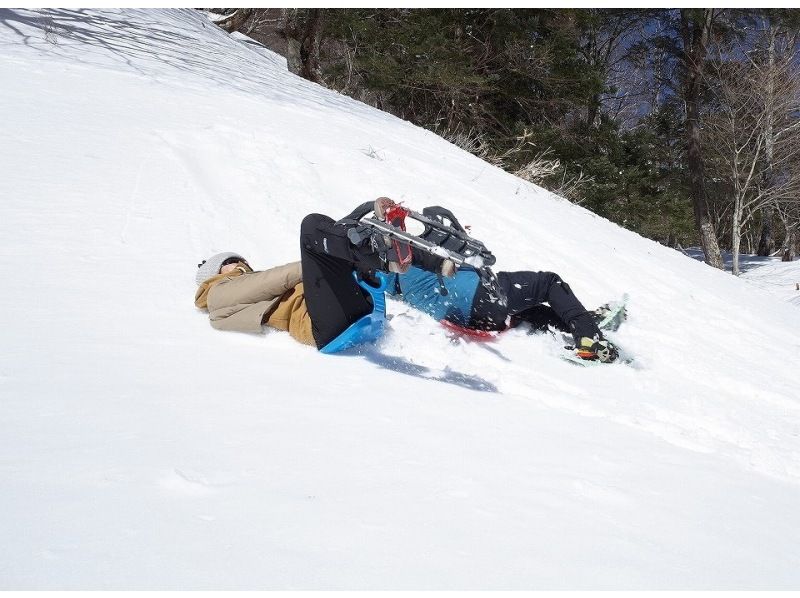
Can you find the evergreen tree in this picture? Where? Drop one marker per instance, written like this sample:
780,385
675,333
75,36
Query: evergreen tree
600,105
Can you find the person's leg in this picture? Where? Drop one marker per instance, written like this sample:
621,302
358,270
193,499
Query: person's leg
540,318
333,297
489,310
525,290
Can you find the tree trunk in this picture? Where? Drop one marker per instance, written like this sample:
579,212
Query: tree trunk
593,111
790,245
672,240
310,46
293,61
290,33
736,234
767,243
695,36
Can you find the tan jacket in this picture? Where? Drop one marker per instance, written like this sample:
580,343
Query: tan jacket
244,301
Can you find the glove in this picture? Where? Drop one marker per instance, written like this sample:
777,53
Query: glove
448,268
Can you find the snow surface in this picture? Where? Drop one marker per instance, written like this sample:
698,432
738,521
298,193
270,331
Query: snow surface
768,273
141,449
780,278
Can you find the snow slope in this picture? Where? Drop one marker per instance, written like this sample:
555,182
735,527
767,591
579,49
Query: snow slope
141,449
769,274
779,278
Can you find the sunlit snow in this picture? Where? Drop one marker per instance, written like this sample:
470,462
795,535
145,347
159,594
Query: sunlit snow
141,449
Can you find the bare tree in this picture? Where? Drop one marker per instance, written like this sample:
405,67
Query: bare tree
753,131
767,242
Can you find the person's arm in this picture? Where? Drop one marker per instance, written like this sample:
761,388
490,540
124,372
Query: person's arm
255,287
430,263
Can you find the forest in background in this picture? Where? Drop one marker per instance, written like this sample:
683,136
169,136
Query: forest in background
682,125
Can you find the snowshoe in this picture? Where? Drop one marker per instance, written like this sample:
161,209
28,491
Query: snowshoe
595,349
611,315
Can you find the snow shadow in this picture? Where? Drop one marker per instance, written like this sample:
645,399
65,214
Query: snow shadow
746,261
403,366
142,39
147,41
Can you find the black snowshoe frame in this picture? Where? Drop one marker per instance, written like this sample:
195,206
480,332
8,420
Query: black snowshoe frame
448,241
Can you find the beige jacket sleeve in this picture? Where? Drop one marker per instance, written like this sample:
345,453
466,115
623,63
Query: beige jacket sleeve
241,302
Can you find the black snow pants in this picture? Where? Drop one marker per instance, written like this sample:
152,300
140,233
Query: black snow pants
526,292
333,297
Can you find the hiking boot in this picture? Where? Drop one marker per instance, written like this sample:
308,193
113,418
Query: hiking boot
596,349
382,206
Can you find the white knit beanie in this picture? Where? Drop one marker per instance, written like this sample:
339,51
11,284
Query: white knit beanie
210,267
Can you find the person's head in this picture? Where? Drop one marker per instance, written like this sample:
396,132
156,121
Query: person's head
216,263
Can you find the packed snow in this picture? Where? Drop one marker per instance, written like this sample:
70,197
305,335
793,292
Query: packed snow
141,449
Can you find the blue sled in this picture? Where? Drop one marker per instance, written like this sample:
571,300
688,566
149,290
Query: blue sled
368,328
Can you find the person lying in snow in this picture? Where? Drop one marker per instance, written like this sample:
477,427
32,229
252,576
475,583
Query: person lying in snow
478,299
318,298
315,299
